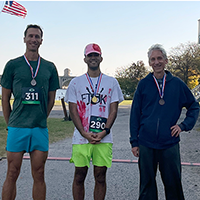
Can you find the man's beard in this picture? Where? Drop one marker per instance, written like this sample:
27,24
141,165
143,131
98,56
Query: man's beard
93,68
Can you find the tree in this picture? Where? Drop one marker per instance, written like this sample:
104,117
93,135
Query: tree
128,78
184,62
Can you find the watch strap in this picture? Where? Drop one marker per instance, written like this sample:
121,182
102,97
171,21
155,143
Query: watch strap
107,130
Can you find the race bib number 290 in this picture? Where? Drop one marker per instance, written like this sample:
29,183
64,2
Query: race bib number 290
97,124
30,96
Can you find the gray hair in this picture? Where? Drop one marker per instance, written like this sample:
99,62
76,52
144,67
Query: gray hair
158,47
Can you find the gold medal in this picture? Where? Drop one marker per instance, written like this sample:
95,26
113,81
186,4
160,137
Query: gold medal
94,99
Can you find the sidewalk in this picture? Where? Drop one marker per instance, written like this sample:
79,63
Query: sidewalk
122,178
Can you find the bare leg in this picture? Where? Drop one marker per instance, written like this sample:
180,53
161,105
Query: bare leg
38,159
14,161
100,182
78,183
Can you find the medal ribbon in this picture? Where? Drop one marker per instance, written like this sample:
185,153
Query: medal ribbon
37,69
91,83
161,92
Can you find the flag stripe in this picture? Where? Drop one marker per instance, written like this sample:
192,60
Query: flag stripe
12,13
17,5
14,8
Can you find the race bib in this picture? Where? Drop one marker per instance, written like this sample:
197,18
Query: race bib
97,124
30,95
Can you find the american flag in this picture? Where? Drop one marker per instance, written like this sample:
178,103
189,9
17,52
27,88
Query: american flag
14,8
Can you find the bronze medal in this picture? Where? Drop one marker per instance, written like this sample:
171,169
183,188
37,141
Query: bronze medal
161,102
94,99
161,89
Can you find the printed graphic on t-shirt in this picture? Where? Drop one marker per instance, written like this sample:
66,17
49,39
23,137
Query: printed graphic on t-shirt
87,97
82,114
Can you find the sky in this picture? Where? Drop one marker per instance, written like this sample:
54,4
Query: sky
123,29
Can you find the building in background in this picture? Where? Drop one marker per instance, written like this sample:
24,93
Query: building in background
64,80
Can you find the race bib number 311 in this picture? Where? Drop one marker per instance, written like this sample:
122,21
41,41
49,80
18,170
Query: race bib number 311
30,96
97,124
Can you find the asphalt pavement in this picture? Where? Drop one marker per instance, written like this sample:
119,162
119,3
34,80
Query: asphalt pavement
122,177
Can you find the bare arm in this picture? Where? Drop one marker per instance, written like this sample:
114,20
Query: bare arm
77,122
6,94
111,119
51,101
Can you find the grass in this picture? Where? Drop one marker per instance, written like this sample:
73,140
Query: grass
3,136
58,130
126,102
198,129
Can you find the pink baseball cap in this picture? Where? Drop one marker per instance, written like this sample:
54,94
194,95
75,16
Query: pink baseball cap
92,48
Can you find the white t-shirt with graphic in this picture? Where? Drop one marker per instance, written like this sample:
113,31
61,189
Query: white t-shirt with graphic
93,115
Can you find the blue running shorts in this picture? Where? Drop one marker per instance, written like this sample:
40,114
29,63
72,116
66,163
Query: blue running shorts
27,139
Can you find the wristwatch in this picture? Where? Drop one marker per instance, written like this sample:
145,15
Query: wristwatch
107,130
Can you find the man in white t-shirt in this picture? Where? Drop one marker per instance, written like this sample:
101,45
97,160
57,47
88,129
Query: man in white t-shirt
93,100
